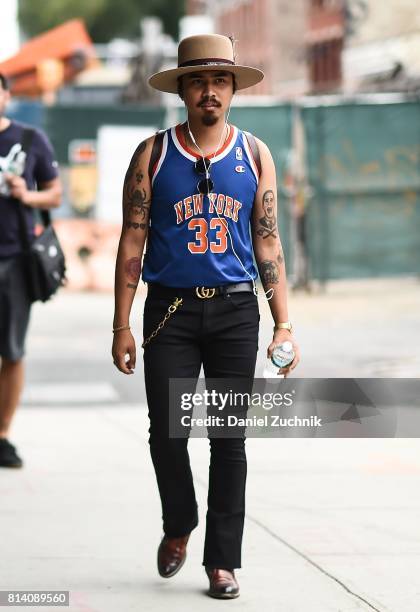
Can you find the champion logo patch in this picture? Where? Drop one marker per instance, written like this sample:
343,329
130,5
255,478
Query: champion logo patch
240,169
239,153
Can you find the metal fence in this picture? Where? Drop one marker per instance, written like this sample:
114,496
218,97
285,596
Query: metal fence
363,165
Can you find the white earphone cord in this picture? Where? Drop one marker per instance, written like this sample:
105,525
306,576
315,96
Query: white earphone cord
225,221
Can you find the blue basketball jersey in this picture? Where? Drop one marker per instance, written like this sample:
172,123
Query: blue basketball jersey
188,243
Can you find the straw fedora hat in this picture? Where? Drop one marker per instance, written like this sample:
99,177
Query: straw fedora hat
205,52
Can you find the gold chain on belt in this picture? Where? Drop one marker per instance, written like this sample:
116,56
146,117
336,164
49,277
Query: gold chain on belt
172,308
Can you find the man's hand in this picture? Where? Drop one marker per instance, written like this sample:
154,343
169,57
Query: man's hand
18,187
279,336
122,345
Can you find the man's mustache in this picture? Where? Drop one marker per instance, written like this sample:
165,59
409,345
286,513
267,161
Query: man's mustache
207,100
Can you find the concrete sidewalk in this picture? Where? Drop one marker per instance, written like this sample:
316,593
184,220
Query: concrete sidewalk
331,525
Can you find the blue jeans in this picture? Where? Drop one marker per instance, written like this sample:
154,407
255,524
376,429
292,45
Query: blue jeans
220,333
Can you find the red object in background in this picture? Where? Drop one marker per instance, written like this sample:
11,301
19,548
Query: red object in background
68,43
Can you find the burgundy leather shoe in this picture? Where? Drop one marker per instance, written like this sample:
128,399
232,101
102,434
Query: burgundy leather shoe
223,584
171,555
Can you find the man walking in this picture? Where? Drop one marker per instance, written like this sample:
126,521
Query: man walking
194,191
27,179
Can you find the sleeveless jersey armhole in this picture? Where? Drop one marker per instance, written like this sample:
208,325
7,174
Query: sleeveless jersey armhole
158,154
253,154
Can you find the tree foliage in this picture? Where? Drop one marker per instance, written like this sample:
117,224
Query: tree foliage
105,19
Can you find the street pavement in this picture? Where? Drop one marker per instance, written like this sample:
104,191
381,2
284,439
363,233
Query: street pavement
331,524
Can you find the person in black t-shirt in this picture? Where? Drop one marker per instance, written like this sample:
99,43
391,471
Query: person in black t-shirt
32,178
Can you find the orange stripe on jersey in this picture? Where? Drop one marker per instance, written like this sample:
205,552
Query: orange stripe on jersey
181,139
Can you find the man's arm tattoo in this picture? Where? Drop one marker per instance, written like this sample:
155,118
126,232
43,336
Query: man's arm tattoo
135,225
136,201
132,271
135,198
132,168
268,223
269,272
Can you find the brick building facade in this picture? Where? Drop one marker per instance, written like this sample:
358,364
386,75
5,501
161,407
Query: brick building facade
324,44
297,44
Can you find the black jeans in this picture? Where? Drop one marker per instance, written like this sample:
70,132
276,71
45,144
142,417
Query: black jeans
222,334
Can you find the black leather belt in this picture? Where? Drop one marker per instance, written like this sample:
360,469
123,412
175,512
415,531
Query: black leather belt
203,293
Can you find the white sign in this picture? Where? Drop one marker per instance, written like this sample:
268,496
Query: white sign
116,145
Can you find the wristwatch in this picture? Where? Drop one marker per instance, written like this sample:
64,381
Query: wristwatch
285,325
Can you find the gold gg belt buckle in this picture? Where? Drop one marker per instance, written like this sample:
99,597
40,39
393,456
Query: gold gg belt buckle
205,292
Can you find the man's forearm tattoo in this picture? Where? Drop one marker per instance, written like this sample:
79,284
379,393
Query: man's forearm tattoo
270,269
135,198
132,270
268,223
269,272
135,225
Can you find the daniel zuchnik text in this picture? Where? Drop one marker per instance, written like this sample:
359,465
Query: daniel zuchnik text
273,420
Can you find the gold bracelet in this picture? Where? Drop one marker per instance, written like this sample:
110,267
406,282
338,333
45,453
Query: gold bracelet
116,329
